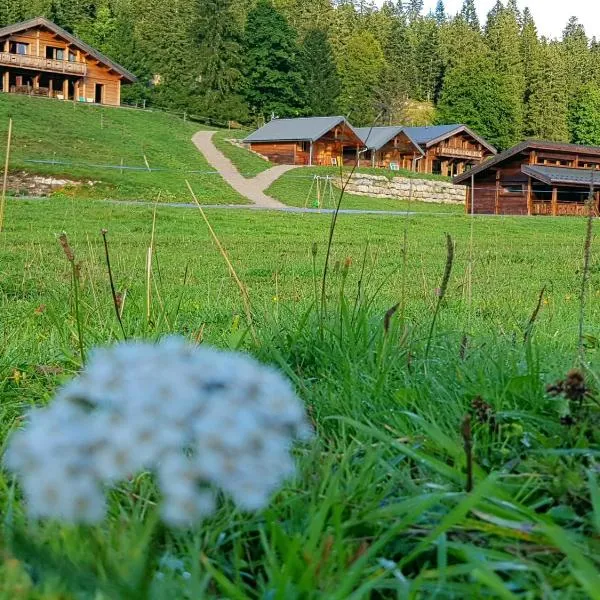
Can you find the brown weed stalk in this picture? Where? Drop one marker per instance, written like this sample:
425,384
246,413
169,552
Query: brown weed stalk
117,298
243,290
70,255
442,289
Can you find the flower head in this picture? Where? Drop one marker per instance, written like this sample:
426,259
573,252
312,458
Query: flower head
200,418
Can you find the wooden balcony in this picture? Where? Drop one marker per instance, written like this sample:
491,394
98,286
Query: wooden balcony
574,209
37,63
452,152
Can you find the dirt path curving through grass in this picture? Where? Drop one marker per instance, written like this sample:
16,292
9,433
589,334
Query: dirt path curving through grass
252,189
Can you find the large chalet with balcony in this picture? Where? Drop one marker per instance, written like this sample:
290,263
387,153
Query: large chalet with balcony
39,58
535,178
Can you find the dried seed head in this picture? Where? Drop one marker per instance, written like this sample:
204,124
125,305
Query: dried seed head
574,386
104,232
64,242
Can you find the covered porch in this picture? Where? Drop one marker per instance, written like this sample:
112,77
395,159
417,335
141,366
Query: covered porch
560,191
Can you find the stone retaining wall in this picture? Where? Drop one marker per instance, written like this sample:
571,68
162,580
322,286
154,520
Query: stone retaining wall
424,190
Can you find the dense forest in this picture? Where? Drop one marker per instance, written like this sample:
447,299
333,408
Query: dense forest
246,60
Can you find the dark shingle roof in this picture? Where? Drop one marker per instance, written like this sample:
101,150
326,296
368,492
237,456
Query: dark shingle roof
305,129
375,138
524,147
424,135
42,22
564,175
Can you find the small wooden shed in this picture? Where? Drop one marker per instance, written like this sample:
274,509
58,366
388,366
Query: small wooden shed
325,141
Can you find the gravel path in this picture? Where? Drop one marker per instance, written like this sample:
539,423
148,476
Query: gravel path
252,189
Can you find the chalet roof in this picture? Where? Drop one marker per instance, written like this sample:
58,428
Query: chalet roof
524,147
375,138
60,32
304,129
563,175
434,134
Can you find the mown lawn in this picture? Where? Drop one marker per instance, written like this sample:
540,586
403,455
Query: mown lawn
380,506
95,141
300,188
247,163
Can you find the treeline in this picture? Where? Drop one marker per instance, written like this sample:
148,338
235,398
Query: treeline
246,60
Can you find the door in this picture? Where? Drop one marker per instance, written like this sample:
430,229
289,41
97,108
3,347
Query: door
99,99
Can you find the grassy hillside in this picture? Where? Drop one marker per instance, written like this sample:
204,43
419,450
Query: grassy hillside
380,506
88,137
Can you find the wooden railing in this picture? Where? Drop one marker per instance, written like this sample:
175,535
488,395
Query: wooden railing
458,152
563,209
37,63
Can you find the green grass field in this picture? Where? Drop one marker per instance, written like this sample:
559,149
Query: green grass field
299,188
90,138
379,508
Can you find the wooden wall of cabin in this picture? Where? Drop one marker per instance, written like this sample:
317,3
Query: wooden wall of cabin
283,153
82,89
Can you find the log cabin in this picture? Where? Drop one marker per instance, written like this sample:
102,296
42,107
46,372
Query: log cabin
37,57
323,141
535,178
447,150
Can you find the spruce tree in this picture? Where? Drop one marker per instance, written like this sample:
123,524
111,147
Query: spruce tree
503,38
469,15
273,72
547,116
360,67
584,116
530,57
440,13
320,75
219,36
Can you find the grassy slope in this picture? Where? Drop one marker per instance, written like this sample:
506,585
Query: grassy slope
294,188
359,493
74,133
247,163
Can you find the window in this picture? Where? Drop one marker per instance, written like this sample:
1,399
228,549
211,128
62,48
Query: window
55,53
513,188
19,48
72,57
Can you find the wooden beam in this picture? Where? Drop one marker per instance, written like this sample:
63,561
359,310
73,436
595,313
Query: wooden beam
529,197
66,89
554,201
37,43
6,81
497,200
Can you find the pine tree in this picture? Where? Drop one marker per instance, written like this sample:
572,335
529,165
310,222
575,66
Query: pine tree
469,15
440,13
530,57
503,38
273,72
472,90
547,116
584,116
575,46
360,67
219,35
413,9
320,75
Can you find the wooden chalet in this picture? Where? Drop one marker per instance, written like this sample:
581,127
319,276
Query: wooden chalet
38,57
535,178
444,150
324,141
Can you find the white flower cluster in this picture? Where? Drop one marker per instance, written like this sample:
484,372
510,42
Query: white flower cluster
200,418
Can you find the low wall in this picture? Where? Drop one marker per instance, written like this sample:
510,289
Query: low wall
424,190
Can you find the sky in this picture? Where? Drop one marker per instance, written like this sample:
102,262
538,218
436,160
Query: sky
551,16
